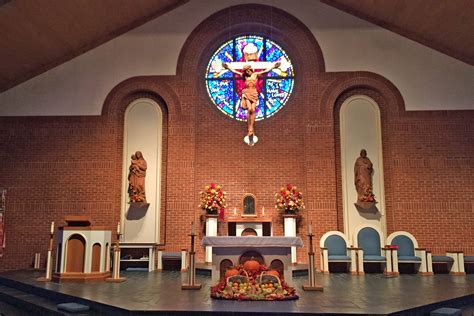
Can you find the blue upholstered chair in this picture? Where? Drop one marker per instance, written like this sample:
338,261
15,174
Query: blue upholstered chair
334,248
407,252
454,260
468,260
370,249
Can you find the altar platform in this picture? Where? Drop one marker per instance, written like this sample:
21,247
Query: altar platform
159,293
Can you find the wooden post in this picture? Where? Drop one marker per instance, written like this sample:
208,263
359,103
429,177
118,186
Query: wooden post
312,286
116,263
191,285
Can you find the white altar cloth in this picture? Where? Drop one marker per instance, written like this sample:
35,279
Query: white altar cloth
252,241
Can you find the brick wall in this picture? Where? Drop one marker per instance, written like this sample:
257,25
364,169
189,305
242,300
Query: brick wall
57,166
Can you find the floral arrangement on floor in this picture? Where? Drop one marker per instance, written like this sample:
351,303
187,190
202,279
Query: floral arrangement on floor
252,281
213,199
289,199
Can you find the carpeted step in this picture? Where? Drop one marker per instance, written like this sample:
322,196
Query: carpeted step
52,298
35,305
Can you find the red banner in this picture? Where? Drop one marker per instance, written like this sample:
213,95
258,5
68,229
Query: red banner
2,234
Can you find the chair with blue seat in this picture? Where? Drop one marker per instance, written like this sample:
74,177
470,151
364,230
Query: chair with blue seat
406,251
468,264
334,249
454,260
370,250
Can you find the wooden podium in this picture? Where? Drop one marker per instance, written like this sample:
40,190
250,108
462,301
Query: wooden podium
82,251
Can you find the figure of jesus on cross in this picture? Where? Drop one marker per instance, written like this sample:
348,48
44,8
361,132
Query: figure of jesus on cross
249,95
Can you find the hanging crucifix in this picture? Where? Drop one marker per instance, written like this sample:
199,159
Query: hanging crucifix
250,69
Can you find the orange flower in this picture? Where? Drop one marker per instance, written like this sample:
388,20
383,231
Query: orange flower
289,199
212,199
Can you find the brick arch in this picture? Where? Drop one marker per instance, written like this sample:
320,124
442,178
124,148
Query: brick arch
158,89
364,80
388,99
155,87
264,20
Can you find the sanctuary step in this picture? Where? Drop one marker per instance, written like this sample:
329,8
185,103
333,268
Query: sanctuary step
38,301
30,303
8,309
161,294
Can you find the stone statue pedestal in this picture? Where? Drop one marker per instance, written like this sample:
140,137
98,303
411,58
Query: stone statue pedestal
289,224
135,205
366,207
211,230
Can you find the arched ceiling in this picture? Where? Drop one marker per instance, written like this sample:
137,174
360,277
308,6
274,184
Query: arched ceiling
36,36
444,25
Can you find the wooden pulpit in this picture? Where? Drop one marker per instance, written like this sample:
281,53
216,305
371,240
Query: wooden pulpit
83,251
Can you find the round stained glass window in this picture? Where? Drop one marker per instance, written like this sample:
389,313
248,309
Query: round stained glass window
225,87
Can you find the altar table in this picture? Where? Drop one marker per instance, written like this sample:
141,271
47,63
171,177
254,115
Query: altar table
232,247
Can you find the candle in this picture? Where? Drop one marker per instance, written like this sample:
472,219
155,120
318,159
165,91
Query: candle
52,227
310,230
193,229
235,211
118,228
263,210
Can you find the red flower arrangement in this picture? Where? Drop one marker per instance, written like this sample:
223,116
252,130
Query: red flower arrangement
370,197
289,199
213,199
137,198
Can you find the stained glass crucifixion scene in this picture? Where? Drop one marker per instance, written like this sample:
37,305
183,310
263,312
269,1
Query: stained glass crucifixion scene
249,78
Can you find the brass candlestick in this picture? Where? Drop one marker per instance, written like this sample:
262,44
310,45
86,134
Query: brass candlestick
116,263
312,286
192,285
49,258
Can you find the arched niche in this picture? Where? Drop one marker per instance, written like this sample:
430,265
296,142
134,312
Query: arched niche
251,255
75,254
249,205
360,128
143,130
96,256
277,265
224,265
249,232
